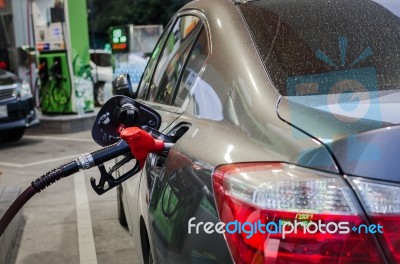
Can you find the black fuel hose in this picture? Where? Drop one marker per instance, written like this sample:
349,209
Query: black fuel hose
84,162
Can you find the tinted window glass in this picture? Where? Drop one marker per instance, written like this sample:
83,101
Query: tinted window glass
145,81
101,59
8,80
321,47
195,62
178,45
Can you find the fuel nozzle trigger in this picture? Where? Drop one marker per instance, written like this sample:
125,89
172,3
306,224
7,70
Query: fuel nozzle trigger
141,143
107,181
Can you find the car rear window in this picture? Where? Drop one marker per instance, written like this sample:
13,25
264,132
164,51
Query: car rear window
320,47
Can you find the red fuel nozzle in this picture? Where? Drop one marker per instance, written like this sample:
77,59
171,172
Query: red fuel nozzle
141,143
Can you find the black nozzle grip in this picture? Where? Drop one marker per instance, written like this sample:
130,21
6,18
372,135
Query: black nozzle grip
107,153
107,181
54,175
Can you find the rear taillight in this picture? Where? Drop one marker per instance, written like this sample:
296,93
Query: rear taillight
382,203
3,65
276,193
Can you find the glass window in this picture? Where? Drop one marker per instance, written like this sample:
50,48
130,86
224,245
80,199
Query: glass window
327,47
195,62
178,45
145,81
101,59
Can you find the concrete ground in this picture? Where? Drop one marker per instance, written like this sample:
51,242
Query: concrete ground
68,222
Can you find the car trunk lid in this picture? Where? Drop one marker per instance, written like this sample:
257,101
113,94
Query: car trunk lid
361,131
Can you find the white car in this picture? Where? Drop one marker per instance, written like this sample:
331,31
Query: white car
102,73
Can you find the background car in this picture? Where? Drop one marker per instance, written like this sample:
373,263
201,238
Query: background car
280,111
101,71
17,110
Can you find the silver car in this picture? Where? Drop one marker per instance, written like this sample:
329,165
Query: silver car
285,116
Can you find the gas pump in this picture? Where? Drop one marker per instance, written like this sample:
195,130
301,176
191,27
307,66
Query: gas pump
63,55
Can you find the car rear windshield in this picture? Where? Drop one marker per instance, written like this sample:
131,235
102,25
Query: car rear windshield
327,46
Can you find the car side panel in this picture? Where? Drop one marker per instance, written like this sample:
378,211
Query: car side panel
180,187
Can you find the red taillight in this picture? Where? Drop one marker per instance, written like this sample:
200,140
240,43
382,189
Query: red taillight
279,193
3,65
382,203
391,235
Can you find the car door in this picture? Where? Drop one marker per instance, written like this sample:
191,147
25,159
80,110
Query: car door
159,85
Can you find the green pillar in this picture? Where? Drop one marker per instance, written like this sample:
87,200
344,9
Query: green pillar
78,54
